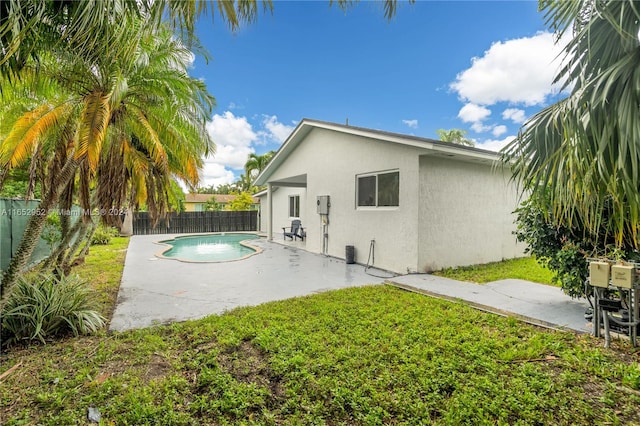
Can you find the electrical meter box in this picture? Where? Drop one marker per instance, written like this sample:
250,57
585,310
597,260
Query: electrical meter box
323,204
623,275
599,274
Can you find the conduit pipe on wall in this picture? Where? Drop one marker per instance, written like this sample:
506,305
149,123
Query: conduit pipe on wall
325,233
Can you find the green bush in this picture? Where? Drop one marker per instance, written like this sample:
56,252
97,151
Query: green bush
52,230
103,235
563,249
42,306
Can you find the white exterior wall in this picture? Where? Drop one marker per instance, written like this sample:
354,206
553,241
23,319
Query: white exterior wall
331,161
465,214
280,197
281,216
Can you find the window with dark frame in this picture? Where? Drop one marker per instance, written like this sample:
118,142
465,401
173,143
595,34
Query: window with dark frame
379,190
294,206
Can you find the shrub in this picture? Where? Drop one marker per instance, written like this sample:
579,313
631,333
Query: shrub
52,230
103,235
42,306
562,249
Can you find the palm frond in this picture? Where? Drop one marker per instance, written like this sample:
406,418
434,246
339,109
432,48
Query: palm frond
92,127
585,149
28,130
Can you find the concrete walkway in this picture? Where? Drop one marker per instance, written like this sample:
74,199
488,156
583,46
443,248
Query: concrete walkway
159,291
537,304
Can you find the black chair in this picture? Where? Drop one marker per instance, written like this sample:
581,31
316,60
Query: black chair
297,231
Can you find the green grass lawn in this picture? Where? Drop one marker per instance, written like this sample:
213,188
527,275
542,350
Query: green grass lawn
103,270
525,268
372,355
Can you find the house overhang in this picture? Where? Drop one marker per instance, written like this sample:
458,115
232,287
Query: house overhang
299,181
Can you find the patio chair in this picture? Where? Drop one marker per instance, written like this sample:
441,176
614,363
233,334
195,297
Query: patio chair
297,231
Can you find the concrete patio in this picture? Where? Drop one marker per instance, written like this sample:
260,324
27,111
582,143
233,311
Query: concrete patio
159,291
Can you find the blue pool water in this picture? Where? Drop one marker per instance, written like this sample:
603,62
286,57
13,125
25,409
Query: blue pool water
209,248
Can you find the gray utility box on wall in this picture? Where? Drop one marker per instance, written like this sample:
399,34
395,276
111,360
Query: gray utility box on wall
323,204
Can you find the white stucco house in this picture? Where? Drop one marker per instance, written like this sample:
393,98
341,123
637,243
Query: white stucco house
425,204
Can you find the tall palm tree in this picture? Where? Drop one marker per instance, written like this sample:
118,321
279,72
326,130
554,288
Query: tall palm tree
130,123
585,149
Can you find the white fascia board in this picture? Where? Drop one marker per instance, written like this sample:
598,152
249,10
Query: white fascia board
458,152
283,152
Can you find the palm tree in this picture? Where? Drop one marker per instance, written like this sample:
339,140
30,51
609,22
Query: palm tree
244,183
129,123
256,163
585,149
457,136
30,27
48,136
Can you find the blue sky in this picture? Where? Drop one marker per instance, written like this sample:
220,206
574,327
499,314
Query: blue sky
476,65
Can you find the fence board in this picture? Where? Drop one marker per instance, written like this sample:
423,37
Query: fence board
14,215
197,222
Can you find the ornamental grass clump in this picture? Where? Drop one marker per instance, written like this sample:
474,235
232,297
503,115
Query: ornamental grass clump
43,306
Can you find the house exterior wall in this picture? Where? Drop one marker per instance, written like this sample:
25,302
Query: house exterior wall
331,161
465,214
189,207
281,216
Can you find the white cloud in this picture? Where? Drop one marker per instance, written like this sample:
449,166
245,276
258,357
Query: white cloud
472,113
227,129
235,139
276,131
411,123
478,127
515,71
475,114
499,130
514,114
216,174
494,144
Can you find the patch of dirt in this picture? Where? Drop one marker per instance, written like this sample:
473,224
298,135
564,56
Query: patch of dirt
248,363
157,368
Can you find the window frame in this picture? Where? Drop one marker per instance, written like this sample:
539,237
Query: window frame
376,205
296,205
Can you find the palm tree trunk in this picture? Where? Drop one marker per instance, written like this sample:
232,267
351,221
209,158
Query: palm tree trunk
86,229
35,225
56,257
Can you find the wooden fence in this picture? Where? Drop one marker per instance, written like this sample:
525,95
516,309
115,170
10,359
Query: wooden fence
194,222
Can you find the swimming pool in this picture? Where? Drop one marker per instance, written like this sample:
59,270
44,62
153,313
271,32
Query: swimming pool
210,248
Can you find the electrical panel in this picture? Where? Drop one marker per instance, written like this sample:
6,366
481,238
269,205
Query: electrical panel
623,275
599,274
323,203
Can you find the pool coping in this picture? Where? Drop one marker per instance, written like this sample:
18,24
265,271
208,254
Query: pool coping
257,250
